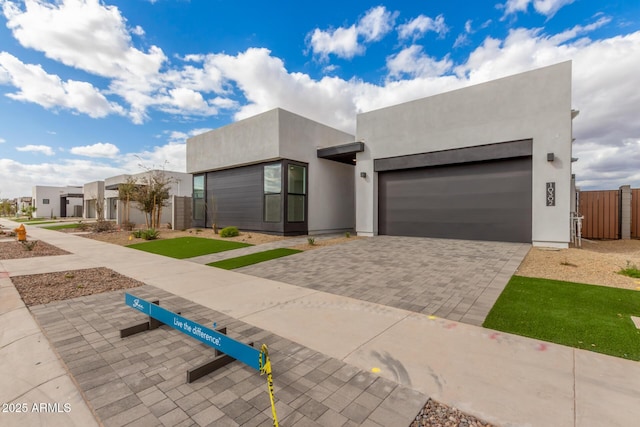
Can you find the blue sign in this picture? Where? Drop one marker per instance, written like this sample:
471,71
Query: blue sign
239,351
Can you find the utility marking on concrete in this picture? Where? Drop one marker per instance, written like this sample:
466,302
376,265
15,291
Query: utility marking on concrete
432,317
494,336
451,325
375,370
542,347
636,321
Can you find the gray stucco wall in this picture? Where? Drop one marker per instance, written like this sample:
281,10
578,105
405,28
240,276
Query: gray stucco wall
279,134
252,140
533,105
331,184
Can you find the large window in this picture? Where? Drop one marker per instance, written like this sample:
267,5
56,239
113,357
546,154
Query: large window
296,189
272,193
199,206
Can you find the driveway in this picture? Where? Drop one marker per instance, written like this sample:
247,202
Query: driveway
454,279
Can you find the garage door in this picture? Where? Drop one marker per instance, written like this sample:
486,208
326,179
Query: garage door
476,201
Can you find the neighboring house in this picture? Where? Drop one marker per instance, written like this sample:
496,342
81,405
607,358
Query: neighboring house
486,162
24,203
180,185
94,198
58,202
264,174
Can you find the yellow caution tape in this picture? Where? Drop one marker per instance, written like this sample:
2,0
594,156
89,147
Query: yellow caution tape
265,368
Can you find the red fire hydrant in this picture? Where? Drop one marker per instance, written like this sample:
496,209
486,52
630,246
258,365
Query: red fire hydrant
21,232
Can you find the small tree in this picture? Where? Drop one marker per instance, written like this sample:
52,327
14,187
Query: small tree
152,194
126,193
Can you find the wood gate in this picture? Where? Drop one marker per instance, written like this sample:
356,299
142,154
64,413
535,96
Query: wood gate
635,213
601,211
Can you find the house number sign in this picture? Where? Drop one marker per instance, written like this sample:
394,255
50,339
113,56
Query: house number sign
551,193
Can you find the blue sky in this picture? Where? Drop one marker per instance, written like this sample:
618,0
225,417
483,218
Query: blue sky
92,89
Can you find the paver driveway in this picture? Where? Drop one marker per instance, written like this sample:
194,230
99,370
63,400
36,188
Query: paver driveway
455,279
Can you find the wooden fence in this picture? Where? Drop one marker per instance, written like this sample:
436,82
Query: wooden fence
635,213
601,211
610,214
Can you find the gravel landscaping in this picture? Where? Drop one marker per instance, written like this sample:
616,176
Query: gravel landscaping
596,263
16,250
44,288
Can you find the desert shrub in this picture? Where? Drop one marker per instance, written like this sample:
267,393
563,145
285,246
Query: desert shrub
103,226
128,225
29,245
630,270
347,234
229,232
151,234
138,233
311,240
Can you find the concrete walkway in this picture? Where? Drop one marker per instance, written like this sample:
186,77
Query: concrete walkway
501,378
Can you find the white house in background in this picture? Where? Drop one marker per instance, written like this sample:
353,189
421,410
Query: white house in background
57,202
24,203
486,162
180,184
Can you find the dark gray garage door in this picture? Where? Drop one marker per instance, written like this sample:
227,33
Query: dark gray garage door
476,201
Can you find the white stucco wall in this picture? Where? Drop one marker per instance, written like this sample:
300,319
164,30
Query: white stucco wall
180,184
93,193
40,192
533,105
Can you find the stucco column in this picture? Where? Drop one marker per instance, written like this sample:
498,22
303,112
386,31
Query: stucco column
625,212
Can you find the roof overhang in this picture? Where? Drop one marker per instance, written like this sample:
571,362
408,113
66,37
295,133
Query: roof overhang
345,153
72,195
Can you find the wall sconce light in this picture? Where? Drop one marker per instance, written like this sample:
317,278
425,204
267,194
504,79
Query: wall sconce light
550,157
363,174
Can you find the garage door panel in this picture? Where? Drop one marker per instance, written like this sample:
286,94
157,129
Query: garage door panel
479,201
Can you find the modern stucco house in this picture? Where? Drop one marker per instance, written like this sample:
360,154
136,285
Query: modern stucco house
264,173
178,184
61,202
486,162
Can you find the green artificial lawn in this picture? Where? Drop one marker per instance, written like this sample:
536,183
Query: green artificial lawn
26,219
63,226
583,316
243,261
39,222
187,247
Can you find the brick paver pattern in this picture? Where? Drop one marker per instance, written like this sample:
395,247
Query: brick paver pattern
455,279
141,380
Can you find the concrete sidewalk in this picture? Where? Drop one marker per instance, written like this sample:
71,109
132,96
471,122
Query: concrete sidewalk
501,378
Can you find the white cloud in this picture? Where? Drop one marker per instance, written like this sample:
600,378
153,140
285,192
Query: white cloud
467,26
550,7
413,62
376,23
44,149
547,8
84,34
93,37
99,149
343,41
419,26
48,90
579,30
24,176
2,140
